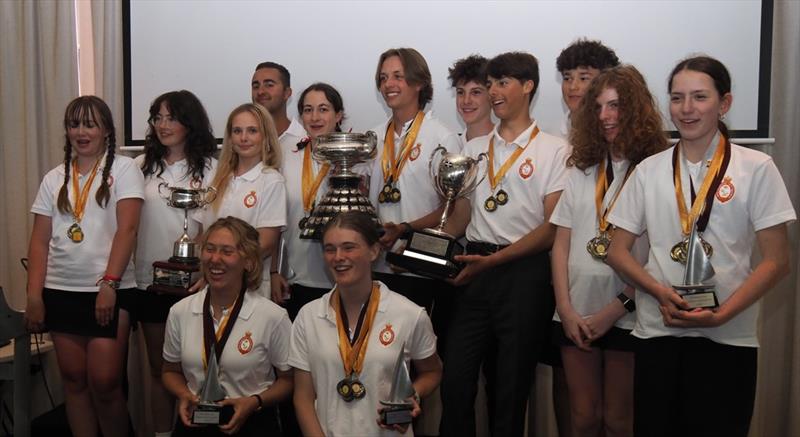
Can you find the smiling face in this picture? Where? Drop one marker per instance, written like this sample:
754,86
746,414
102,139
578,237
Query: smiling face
509,97
696,106
223,264
268,89
170,131
607,107
472,102
246,137
348,256
574,83
318,115
86,136
396,92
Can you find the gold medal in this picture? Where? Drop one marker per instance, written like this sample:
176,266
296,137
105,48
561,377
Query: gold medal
75,233
501,197
490,204
395,195
598,246
381,197
344,390
358,389
680,251
387,189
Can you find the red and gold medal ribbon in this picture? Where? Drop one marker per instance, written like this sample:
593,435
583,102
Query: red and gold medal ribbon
218,338
495,179
309,186
353,354
391,164
701,204
82,196
605,175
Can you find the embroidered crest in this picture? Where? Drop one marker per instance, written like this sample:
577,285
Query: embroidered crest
726,190
250,199
415,152
386,335
245,344
526,169
195,183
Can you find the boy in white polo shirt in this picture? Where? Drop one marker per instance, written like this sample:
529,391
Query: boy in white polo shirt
502,318
468,77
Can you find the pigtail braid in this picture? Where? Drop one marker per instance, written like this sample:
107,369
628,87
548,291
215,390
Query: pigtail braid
103,193
63,204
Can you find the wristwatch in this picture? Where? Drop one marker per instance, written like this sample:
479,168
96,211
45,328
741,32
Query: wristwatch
627,302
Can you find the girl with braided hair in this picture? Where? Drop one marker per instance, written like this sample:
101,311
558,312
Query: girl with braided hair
80,273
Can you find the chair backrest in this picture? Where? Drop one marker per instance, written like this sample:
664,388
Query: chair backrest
11,321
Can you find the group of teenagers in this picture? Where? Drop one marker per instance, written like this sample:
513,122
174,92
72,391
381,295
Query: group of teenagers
568,257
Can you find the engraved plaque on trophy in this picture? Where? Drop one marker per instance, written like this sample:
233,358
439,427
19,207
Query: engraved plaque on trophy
208,411
342,150
177,274
430,252
397,409
696,290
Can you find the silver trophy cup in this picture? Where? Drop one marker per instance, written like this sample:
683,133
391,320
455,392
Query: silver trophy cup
430,252
342,150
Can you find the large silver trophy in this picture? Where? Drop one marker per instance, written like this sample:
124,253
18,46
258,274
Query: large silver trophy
208,411
696,289
397,409
342,150
430,252
177,274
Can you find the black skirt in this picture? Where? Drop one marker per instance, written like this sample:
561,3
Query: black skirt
72,312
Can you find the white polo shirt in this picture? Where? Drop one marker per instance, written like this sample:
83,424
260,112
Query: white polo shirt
258,341
592,283
538,171
77,266
305,256
399,323
160,225
419,197
257,197
647,202
292,135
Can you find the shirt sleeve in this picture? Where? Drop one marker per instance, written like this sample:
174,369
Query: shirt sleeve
172,337
562,214
278,348
628,212
128,180
45,198
298,350
558,170
423,340
452,143
272,213
768,202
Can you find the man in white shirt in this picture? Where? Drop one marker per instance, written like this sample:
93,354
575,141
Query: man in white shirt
271,88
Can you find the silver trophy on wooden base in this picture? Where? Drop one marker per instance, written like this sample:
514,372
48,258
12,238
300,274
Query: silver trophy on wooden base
208,411
430,252
696,289
342,150
397,409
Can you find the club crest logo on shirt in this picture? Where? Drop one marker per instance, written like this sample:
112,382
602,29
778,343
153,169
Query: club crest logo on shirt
245,344
386,335
250,199
726,190
195,183
415,152
526,169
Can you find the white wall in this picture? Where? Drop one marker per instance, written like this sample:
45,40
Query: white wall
211,47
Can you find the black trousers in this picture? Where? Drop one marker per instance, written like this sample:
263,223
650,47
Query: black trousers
501,320
692,386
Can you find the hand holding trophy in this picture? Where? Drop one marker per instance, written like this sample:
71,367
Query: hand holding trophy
430,252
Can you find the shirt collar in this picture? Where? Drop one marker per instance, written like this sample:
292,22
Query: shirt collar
244,313
325,310
295,129
253,173
520,141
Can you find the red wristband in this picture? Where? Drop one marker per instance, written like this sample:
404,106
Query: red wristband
112,278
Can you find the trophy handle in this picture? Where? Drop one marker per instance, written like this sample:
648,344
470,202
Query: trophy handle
161,186
435,152
210,194
481,157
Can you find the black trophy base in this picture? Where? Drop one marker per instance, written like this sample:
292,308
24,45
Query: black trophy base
396,415
698,296
208,413
429,254
174,277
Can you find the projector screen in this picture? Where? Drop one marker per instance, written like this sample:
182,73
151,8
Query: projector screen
211,48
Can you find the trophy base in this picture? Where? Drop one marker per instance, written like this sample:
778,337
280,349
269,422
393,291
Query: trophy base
174,277
344,195
429,253
698,296
211,414
396,414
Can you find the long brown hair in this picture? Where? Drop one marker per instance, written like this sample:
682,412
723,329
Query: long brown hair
88,110
228,160
641,128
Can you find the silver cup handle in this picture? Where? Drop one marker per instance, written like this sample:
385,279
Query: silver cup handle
481,157
161,193
209,195
431,166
